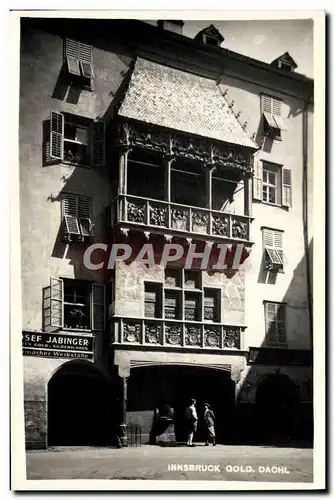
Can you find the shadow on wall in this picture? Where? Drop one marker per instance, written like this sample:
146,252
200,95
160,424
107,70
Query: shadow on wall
79,181
275,401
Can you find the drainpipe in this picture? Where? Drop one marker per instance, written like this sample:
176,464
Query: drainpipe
305,217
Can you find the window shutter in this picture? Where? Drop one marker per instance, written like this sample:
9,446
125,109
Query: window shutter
266,103
71,48
71,56
276,106
85,60
84,215
70,213
98,143
257,180
56,135
268,236
70,205
98,307
287,187
278,239
85,52
53,297
84,207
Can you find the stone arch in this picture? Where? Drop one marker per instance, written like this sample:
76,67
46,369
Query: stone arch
277,397
154,385
81,406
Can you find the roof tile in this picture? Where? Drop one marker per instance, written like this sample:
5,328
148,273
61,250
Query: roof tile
181,101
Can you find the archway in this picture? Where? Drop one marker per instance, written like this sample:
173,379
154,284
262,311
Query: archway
80,407
277,397
152,386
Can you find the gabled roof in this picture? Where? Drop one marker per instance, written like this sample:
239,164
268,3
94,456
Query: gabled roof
286,59
181,101
210,31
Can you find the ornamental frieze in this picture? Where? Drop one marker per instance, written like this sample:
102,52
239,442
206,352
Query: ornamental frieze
153,334
173,334
232,338
132,134
132,332
193,335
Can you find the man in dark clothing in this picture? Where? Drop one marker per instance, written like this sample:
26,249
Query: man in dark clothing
209,421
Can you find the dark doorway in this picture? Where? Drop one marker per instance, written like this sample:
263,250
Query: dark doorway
80,407
277,399
149,387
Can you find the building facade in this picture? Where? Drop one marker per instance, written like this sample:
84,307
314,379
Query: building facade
135,134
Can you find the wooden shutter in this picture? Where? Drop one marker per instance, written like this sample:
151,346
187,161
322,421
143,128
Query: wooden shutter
287,187
70,213
56,135
85,60
98,143
72,56
53,298
258,180
278,239
98,307
268,236
84,207
84,216
276,106
266,104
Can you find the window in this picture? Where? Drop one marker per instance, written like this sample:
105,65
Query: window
77,140
273,248
76,217
272,184
211,301
78,58
285,66
211,40
172,304
182,297
73,305
273,122
153,305
275,324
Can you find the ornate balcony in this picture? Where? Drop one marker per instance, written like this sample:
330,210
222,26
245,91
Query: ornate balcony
134,212
176,334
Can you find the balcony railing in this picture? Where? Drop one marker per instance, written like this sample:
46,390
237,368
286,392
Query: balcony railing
173,217
176,333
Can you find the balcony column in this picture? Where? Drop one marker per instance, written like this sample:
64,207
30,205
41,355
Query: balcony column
124,373
167,161
123,413
208,183
123,169
248,195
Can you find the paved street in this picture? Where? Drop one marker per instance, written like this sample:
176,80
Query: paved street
228,463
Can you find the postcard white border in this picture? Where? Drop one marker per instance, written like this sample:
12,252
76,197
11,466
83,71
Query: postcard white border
18,465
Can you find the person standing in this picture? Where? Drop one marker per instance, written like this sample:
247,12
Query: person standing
209,420
191,422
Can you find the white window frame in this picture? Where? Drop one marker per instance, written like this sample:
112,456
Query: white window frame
273,249
53,307
276,171
284,183
276,342
96,138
